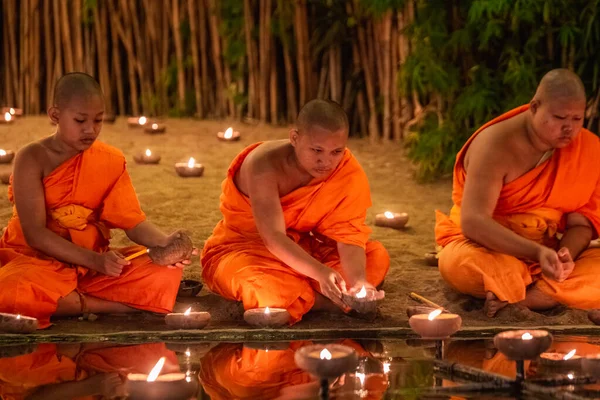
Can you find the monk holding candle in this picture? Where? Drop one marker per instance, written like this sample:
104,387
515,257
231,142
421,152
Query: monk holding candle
293,232
526,204
69,191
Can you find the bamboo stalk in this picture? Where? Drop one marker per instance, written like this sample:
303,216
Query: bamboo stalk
423,300
193,15
178,55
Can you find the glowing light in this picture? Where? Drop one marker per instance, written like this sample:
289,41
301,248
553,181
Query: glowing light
362,293
527,336
2,152
569,355
7,116
155,126
188,379
570,376
386,367
188,353
12,111
188,311
325,355
142,120
148,153
361,377
156,370
191,162
434,314
228,133
19,316
267,310
389,215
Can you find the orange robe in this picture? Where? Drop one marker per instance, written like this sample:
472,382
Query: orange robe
86,196
237,265
534,206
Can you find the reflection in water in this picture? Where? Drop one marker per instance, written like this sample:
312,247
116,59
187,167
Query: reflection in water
390,369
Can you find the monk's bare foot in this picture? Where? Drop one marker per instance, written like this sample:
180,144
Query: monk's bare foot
493,305
537,300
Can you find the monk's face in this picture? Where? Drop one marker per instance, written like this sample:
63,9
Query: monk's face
558,121
79,121
318,150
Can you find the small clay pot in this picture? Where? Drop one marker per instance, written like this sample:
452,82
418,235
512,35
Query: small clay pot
185,171
275,318
194,320
235,136
594,316
514,347
440,327
178,250
143,158
155,128
556,361
343,359
397,221
7,157
166,387
5,177
189,288
14,323
363,308
15,112
415,310
431,259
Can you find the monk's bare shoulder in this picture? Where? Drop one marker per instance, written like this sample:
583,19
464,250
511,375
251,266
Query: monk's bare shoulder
32,159
264,163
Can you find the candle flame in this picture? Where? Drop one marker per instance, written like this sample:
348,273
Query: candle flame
155,126
570,376
228,133
434,314
156,370
191,162
188,352
325,355
142,120
19,316
361,377
569,355
362,294
386,367
527,336
267,310
12,111
188,379
7,116
389,215
148,153
188,311
2,152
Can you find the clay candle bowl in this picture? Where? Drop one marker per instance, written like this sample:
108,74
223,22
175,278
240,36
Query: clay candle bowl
147,157
364,303
5,177
563,361
326,361
134,122
7,119
431,259
189,288
435,325
391,220
229,135
267,317
188,319
522,344
189,169
15,323
6,156
172,386
155,128
590,365
15,112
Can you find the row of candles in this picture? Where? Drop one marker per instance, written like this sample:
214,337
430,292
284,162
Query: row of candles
155,127
9,114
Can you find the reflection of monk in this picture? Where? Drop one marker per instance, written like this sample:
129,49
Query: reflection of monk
70,371
232,371
521,179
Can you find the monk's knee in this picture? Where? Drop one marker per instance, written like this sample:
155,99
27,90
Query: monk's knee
378,262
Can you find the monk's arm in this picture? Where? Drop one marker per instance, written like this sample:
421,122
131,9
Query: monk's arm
484,181
354,263
147,234
578,234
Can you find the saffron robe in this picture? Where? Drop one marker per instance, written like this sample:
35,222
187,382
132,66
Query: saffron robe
237,265
534,206
86,196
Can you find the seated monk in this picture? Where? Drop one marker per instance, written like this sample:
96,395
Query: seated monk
68,191
293,230
526,199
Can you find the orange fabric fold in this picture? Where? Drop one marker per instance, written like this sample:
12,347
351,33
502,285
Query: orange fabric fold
237,265
534,206
86,196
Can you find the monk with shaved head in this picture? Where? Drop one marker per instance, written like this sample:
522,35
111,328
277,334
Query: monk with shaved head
526,195
293,233
69,190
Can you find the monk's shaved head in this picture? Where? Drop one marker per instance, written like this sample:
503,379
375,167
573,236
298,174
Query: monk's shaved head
561,84
323,113
75,85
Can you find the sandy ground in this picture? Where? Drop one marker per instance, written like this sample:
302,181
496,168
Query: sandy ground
172,202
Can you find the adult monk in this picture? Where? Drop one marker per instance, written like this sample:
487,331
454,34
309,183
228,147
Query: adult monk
526,204
69,190
293,231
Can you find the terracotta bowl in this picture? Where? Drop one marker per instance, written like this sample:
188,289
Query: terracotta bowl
511,344
189,288
440,327
344,359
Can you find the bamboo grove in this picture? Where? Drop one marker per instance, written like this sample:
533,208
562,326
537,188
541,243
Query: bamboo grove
425,72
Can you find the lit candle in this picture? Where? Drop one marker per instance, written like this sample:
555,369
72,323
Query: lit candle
326,362
8,118
391,220
154,386
188,319
6,156
189,169
155,127
147,157
386,367
267,317
15,112
17,323
364,302
559,360
229,135
135,122
523,345
436,324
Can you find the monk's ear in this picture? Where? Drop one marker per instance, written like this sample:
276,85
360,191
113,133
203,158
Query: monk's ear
294,136
53,114
534,105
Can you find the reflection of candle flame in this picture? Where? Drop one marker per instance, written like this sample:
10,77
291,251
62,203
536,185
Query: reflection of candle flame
570,376
7,116
389,215
12,111
267,311
188,311
187,352
154,126
386,367
569,355
191,162
188,379
148,153
2,152
142,120
361,378
434,314
228,133
527,336
156,370
362,294
19,316
325,355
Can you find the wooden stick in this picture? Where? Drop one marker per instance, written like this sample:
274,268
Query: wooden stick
136,255
423,300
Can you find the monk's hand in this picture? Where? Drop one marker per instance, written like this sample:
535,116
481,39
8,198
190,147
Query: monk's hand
550,263
372,291
110,263
568,265
332,285
184,263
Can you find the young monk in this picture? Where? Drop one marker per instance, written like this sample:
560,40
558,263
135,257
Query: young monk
520,180
69,190
293,231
